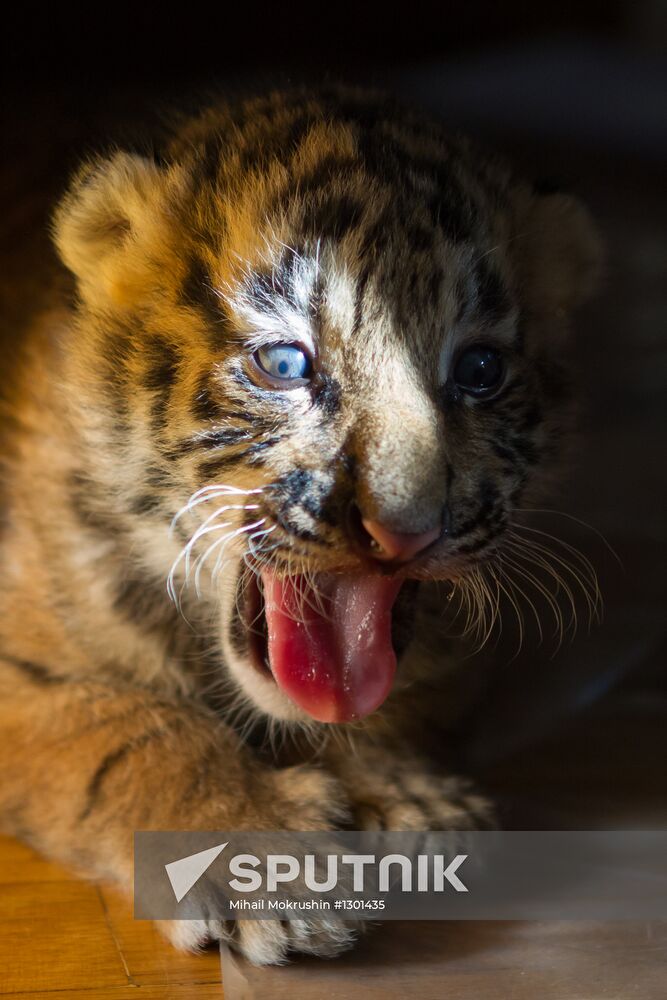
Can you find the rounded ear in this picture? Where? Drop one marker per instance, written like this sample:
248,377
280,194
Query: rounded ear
559,254
109,202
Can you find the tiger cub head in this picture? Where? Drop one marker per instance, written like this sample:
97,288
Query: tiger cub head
322,342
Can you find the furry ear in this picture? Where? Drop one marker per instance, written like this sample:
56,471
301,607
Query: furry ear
558,253
110,203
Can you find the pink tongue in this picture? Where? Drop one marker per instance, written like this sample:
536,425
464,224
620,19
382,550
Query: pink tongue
331,651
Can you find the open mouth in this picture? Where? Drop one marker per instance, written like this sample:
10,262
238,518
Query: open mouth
330,641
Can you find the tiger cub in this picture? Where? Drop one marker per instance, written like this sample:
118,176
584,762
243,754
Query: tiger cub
313,362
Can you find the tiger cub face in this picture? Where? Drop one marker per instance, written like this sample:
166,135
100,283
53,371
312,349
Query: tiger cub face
323,341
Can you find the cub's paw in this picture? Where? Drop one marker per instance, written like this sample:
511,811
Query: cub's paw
290,799
302,798
265,942
391,793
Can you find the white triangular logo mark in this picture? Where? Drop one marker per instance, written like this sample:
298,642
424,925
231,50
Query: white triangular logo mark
186,871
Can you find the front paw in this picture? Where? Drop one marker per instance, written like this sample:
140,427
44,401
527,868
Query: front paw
265,942
292,799
303,798
392,793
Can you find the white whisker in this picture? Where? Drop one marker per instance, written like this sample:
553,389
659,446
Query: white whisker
222,544
207,494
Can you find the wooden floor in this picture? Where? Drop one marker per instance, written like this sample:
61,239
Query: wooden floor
60,937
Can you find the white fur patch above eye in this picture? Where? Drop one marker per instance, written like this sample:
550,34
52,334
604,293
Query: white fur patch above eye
276,306
339,298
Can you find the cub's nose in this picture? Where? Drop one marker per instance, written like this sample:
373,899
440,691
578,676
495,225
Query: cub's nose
394,546
385,545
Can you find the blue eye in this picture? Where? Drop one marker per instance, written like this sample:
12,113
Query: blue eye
286,362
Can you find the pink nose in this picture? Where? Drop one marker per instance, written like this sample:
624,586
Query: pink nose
394,546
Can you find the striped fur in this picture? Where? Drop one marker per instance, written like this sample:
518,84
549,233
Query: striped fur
354,227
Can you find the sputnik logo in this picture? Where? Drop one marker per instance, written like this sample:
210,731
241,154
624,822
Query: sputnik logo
185,872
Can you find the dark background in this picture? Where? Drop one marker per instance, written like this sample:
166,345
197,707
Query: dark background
575,93
155,41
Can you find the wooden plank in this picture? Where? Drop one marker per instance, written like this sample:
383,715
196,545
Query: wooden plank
19,863
60,933
469,960
54,936
147,955
195,992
